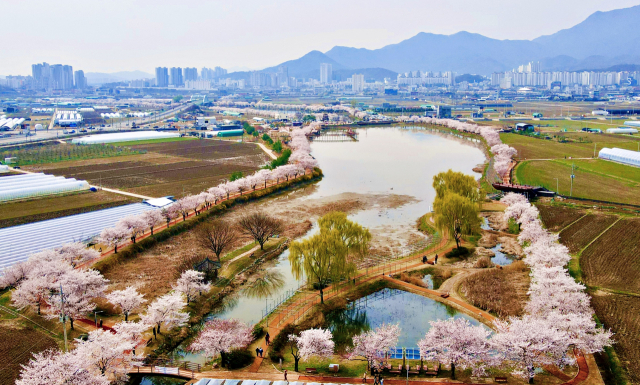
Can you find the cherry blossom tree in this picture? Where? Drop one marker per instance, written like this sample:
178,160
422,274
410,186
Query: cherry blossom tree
42,277
528,343
374,345
456,342
79,289
167,310
128,300
57,368
217,193
76,253
265,176
14,274
181,207
108,354
152,218
228,188
113,236
511,198
133,331
311,343
220,336
168,213
192,283
135,225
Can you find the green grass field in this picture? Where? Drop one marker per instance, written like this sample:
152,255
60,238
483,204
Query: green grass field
535,148
595,179
152,141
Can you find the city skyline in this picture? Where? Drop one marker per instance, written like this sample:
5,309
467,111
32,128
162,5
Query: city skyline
119,41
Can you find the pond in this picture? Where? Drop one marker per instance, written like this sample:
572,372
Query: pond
501,258
385,160
412,312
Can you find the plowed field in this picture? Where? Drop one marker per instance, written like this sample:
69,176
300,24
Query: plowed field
620,314
612,260
555,218
172,168
582,232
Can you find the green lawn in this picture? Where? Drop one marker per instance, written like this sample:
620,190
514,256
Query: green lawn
152,141
595,179
582,145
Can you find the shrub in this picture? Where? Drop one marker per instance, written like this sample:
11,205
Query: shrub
258,332
483,263
276,348
267,138
239,358
277,146
513,226
460,252
412,280
281,160
236,175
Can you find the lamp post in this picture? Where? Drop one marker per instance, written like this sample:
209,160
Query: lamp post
95,315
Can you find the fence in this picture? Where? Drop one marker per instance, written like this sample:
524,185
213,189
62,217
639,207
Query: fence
170,367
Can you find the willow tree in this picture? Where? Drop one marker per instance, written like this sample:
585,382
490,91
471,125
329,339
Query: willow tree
332,253
456,215
456,182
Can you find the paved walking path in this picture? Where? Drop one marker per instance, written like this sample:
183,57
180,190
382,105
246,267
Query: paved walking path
115,191
269,152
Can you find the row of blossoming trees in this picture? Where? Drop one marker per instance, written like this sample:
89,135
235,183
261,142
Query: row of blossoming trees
48,283
133,226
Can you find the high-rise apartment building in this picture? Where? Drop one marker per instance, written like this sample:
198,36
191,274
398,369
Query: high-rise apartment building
162,77
190,74
175,76
80,80
41,74
357,83
219,71
326,75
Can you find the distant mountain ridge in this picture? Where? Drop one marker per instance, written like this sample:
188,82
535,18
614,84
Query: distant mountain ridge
602,40
122,76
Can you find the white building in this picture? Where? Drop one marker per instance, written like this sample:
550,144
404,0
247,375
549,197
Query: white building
357,83
326,74
198,84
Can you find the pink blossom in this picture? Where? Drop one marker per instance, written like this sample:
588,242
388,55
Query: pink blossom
374,345
128,300
222,335
191,283
314,343
167,310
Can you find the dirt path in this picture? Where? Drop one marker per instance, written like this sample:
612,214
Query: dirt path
267,151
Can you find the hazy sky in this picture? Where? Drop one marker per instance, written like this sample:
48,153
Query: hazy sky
121,35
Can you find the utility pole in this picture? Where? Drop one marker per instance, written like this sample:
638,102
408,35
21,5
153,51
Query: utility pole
557,189
63,319
572,176
594,150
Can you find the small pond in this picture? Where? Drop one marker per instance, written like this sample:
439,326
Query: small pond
155,380
501,258
388,306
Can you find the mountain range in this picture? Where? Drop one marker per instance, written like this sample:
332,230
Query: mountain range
603,40
123,76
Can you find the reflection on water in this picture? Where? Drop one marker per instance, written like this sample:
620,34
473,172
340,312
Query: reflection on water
501,258
485,224
265,285
389,306
428,280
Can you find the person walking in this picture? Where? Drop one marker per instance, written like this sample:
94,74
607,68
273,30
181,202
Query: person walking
100,324
364,378
257,352
267,338
261,351
285,376
424,259
381,380
436,262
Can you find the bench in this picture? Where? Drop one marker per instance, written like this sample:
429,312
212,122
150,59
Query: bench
444,295
501,380
311,370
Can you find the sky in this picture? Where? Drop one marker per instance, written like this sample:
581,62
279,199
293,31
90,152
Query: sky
125,35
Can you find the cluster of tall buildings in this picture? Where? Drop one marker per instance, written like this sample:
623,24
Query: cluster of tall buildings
271,79
531,74
420,78
56,77
178,76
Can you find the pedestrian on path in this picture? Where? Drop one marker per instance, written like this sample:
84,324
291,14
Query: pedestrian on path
424,259
257,352
267,338
381,380
261,351
285,376
364,377
100,324
436,262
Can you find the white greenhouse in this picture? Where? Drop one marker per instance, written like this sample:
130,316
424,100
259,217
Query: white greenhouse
124,137
622,130
619,155
632,123
3,169
37,185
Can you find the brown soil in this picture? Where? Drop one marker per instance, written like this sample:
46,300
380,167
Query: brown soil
17,343
510,245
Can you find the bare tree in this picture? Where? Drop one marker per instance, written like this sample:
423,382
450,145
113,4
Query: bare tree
217,236
260,227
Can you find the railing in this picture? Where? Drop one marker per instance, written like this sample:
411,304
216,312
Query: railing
170,367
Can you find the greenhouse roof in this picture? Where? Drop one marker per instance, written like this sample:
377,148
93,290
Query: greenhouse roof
620,155
17,243
124,137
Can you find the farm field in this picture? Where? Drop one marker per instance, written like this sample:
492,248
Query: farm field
594,179
536,148
577,236
619,313
21,212
17,343
612,260
555,218
173,168
53,152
